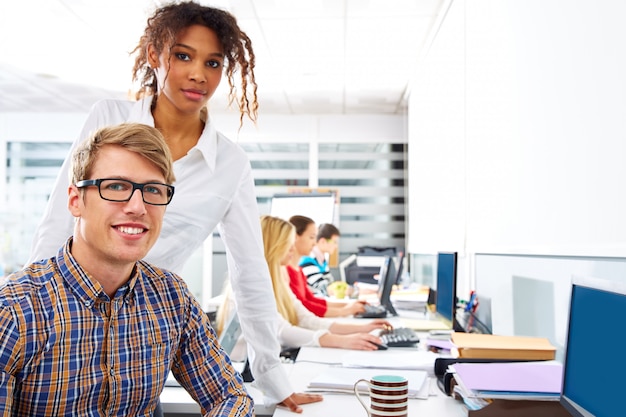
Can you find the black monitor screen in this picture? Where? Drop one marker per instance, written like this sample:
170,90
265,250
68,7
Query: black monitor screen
385,284
592,383
400,268
446,285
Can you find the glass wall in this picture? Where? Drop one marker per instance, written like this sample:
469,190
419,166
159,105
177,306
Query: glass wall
30,169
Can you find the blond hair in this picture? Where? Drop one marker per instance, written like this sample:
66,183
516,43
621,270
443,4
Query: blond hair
144,140
278,237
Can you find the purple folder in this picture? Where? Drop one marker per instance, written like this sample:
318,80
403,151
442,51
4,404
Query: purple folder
539,377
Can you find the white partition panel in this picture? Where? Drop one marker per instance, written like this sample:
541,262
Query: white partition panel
530,98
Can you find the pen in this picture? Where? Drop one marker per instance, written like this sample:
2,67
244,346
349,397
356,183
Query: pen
470,303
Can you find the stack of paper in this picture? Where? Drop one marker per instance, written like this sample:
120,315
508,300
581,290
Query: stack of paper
391,359
424,324
509,380
410,299
337,379
488,346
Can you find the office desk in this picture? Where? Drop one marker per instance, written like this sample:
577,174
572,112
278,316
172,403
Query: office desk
176,402
311,360
438,404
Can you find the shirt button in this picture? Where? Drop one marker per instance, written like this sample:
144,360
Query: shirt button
112,372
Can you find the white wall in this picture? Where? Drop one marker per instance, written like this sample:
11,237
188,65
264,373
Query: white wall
517,130
516,126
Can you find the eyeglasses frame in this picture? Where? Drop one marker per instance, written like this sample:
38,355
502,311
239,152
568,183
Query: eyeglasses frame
136,186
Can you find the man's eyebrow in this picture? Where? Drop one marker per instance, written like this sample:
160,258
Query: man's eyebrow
182,45
153,181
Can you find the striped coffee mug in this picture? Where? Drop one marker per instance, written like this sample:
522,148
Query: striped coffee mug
389,396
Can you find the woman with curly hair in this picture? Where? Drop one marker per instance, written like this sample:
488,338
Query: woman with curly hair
180,59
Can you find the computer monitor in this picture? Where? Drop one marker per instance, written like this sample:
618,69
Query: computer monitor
344,264
386,281
230,335
445,304
399,268
592,381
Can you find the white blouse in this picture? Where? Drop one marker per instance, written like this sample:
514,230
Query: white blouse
308,331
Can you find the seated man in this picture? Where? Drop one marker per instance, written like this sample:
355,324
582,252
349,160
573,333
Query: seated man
95,330
315,265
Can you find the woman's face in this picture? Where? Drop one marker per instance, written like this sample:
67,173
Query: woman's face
306,241
189,74
286,259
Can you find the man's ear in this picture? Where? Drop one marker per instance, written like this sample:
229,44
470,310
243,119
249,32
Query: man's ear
74,198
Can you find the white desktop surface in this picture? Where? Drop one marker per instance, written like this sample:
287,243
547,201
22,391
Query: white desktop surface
176,400
309,363
438,404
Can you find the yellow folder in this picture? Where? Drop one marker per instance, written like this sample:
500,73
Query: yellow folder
489,346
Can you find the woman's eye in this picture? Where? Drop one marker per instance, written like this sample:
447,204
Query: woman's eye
182,56
214,64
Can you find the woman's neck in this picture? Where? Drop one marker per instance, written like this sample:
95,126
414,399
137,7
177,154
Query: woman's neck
181,131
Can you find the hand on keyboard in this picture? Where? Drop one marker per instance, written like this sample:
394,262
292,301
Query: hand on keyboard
399,337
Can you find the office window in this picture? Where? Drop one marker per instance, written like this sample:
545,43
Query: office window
277,165
30,170
370,179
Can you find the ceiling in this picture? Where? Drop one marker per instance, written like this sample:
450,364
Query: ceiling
313,56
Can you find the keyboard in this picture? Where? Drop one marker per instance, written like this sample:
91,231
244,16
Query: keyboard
373,312
399,337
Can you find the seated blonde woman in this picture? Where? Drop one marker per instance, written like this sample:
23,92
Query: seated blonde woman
298,326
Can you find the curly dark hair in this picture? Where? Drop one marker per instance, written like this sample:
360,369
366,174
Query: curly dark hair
167,22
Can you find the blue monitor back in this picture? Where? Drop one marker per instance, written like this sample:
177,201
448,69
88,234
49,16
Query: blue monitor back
445,304
593,377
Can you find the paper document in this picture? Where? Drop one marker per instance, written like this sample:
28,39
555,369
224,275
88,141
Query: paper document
343,380
392,359
423,324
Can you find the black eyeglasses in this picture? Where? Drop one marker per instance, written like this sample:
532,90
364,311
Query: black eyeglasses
115,189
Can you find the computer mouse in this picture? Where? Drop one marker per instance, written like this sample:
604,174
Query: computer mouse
381,346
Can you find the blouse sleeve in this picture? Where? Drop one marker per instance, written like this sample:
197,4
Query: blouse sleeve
309,330
297,283
240,230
